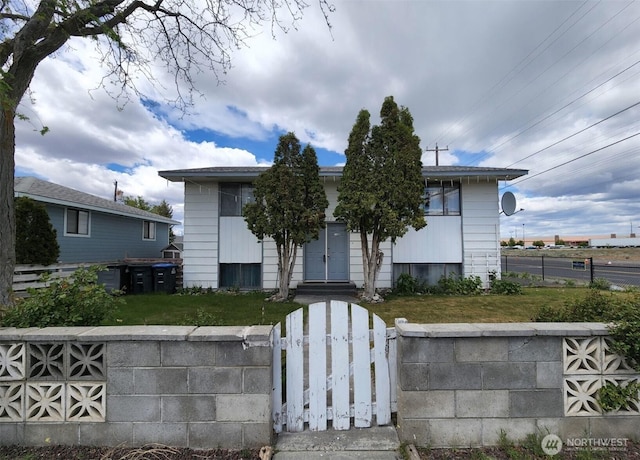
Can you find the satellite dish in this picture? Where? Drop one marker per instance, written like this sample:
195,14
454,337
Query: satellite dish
508,203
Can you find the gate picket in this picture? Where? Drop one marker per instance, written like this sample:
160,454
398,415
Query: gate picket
295,372
340,364
361,366
318,372
348,340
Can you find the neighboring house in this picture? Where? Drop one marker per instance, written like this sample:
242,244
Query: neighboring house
93,229
461,237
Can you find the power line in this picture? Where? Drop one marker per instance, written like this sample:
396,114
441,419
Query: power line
572,160
575,134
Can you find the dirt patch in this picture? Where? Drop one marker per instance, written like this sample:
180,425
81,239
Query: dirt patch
119,453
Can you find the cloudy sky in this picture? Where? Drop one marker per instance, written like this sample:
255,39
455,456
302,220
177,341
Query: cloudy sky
548,86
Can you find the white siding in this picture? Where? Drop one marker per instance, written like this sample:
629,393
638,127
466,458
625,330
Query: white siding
356,271
200,254
237,244
481,229
270,266
331,189
439,242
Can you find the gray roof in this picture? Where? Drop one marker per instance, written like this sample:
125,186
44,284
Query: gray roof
48,192
231,173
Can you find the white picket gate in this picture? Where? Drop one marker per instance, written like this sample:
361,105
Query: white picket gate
334,358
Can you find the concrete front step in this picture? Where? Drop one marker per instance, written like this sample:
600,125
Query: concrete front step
327,289
376,443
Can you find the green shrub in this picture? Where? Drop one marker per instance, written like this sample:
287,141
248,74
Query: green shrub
456,285
406,284
595,306
75,301
505,287
601,284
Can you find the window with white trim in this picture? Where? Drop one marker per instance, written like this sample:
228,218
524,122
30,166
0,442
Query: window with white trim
76,222
442,200
233,197
148,230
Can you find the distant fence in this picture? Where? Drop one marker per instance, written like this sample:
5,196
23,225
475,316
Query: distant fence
30,276
577,269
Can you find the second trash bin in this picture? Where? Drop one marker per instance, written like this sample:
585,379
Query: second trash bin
164,277
141,279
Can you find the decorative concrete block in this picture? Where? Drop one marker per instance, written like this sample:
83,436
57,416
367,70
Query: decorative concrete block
463,376
546,348
424,350
549,374
481,349
536,403
176,354
580,395
483,403
215,380
160,381
168,434
86,402
426,404
234,354
11,402
243,408
582,355
191,408
46,361
508,375
133,354
613,363
414,376
86,361
455,432
45,402
13,361
215,435
257,380
133,409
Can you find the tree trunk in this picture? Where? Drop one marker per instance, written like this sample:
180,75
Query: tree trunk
7,214
371,263
287,253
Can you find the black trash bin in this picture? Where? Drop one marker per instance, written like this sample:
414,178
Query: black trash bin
164,277
115,278
141,279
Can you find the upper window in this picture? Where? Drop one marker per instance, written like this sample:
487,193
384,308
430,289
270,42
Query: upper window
233,197
76,222
442,200
148,230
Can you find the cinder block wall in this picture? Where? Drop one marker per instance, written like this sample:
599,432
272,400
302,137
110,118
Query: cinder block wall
461,384
204,387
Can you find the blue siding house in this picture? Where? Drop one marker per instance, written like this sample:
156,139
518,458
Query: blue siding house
93,229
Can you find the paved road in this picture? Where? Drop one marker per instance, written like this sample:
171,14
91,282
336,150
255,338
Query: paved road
573,269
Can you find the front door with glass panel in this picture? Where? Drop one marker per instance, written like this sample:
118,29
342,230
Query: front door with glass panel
327,258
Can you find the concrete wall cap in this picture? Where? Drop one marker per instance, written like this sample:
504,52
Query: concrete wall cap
501,329
138,333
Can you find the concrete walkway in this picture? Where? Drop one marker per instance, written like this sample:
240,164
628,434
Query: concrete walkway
377,443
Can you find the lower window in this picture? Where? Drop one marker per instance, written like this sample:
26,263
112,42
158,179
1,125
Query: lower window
240,276
429,273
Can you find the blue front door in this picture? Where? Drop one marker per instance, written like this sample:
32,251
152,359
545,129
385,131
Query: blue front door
327,258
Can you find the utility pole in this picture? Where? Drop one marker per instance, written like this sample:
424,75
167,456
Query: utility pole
437,150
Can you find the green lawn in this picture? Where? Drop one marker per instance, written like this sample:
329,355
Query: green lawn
252,309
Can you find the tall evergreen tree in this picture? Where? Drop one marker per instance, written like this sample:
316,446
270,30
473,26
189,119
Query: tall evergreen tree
289,205
380,194
36,241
